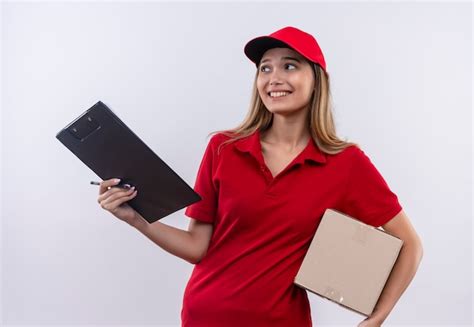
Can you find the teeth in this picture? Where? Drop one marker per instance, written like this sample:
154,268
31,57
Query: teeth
278,94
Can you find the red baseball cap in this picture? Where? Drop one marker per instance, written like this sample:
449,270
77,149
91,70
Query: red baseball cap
289,37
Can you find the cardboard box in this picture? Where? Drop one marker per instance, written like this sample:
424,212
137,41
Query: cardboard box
348,262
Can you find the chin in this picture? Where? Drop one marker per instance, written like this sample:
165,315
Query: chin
282,111
276,109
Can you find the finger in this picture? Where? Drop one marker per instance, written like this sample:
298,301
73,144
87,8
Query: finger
111,206
120,186
104,185
111,192
115,194
108,193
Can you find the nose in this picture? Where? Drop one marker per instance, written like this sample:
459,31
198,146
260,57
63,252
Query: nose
275,77
275,80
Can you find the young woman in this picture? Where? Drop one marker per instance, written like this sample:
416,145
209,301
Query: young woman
265,186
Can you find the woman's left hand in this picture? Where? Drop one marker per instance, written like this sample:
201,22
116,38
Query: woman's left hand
370,322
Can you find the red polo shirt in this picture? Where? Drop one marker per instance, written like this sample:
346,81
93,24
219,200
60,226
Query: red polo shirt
263,226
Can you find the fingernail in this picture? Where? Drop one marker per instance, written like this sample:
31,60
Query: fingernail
117,180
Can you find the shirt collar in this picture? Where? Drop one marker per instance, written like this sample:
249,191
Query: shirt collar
252,145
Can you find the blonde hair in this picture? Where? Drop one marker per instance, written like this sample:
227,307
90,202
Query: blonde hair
320,117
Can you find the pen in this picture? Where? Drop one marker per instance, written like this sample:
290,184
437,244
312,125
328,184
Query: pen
126,186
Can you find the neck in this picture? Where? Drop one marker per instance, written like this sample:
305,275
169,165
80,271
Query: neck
288,133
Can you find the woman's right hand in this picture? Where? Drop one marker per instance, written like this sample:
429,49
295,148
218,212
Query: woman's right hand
113,200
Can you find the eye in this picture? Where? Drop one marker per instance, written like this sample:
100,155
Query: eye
263,68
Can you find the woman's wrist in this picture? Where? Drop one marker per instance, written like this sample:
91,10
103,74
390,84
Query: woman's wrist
139,222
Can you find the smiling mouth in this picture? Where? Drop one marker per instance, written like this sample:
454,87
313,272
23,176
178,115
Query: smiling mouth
276,95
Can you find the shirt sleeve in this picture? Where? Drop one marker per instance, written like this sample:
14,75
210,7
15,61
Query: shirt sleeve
205,209
368,197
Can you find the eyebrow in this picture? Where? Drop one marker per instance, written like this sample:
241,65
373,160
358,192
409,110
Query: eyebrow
289,58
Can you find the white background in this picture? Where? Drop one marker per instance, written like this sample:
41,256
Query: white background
401,83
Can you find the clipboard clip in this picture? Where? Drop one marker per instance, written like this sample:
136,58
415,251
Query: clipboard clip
83,127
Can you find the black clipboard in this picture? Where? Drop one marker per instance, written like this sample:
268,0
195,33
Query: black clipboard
109,148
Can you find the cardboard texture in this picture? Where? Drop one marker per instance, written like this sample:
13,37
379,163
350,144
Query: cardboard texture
348,262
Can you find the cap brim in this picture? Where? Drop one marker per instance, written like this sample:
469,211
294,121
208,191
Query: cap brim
254,49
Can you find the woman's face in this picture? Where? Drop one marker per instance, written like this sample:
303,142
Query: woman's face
285,70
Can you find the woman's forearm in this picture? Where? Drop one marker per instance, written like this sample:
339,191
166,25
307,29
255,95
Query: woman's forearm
401,276
173,240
